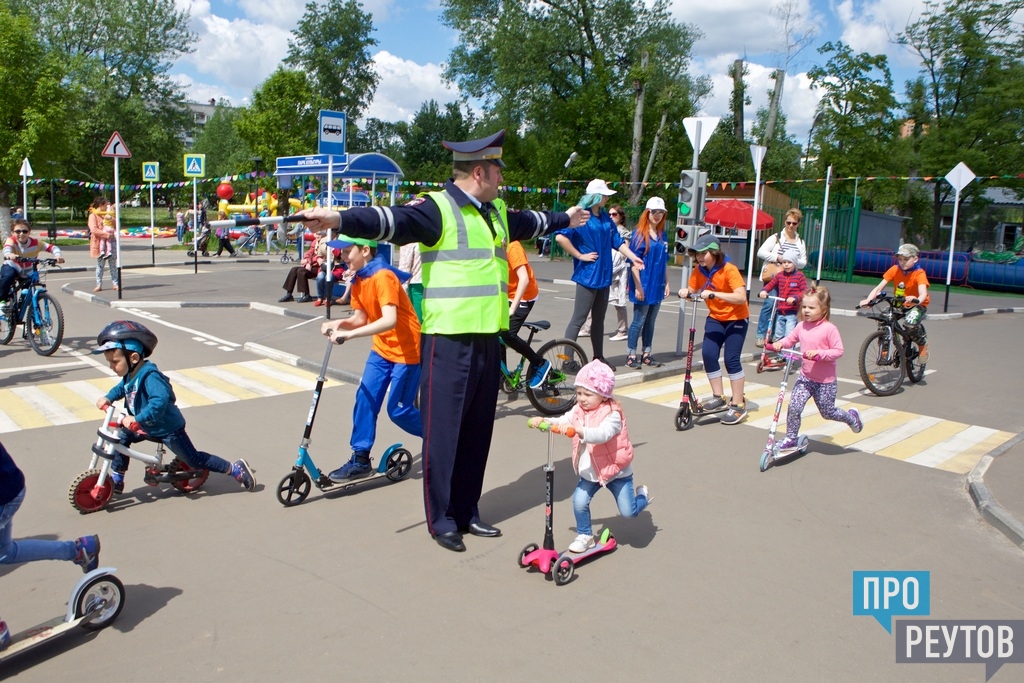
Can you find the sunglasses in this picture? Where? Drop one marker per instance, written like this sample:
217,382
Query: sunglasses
21,232
614,213
657,210
792,223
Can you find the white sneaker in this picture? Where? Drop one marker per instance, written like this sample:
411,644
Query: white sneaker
642,491
619,336
583,543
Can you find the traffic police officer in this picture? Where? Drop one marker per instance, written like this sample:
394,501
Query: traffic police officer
464,231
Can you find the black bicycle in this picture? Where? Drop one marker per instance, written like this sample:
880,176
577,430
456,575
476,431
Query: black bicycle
558,392
891,352
31,306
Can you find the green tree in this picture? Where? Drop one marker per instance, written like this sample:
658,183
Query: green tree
424,155
35,89
226,152
281,121
569,79
966,102
332,45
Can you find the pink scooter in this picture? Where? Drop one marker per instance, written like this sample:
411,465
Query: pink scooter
561,566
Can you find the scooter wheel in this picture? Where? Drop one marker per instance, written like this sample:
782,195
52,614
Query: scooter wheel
526,551
193,483
805,443
286,258
766,460
399,465
106,593
684,418
760,368
562,570
80,494
294,488
191,253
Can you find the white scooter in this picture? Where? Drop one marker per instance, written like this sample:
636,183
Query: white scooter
95,602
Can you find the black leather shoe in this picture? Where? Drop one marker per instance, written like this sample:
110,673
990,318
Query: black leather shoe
286,298
481,529
451,541
304,299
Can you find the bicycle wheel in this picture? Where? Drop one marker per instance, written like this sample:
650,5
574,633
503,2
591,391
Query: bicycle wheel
46,325
911,354
881,364
7,321
558,393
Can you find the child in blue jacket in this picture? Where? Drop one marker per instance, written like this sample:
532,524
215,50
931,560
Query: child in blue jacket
149,400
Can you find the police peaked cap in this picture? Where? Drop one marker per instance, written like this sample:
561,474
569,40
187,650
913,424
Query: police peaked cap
484,149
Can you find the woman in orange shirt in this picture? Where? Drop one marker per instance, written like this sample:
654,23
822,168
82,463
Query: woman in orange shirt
719,283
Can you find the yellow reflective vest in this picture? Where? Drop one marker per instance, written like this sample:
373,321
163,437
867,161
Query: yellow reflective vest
465,275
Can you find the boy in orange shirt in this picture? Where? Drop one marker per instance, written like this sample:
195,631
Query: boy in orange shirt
914,280
522,294
380,307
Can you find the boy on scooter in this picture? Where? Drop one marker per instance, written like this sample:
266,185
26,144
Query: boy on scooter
380,307
149,400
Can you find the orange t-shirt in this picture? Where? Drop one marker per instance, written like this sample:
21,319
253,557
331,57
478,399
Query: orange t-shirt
725,279
911,281
517,258
400,344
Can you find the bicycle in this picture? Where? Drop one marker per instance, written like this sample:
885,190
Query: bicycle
32,306
890,353
558,393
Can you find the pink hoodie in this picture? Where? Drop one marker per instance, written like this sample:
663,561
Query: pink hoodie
823,337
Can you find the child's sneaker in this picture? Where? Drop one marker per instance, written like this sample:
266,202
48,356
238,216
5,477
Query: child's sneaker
857,423
356,468
735,414
88,557
5,636
540,376
788,443
922,354
582,544
713,403
642,491
759,342
242,473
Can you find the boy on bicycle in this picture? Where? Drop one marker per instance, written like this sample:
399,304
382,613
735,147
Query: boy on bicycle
18,247
380,307
149,400
909,276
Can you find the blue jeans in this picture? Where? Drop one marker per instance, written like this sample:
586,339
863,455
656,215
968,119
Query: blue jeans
28,549
630,505
642,327
765,319
378,375
784,324
179,444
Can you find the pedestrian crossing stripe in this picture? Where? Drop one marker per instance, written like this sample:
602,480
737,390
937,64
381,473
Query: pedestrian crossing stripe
918,439
48,405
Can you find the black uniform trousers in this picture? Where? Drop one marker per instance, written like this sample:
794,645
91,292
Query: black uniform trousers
458,396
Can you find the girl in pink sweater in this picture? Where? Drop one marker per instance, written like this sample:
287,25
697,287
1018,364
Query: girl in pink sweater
602,453
821,346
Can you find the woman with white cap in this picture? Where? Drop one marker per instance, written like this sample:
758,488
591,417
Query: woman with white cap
591,248
649,287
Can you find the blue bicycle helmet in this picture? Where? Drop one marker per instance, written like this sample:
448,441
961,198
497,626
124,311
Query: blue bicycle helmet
127,335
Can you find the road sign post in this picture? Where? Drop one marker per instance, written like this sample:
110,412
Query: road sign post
117,149
151,174
960,177
195,168
25,173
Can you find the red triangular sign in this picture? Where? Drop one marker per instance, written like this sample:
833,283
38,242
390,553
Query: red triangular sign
116,148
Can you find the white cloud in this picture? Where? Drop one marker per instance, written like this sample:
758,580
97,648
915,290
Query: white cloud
404,86
872,27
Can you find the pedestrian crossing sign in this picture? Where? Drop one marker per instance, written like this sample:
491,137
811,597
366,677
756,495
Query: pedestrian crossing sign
195,165
151,171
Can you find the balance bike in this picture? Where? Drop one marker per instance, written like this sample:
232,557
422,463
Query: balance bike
771,361
547,559
772,453
91,490
395,463
94,603
690,406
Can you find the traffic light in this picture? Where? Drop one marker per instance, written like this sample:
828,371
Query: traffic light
691,195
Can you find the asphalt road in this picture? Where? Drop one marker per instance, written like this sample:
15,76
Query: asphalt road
730,575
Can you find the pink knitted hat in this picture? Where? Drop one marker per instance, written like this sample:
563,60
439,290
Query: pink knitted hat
597,377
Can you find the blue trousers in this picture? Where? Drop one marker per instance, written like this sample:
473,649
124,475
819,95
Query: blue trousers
28,549
179,444
378,375
630,505
729,334
458,396
765,318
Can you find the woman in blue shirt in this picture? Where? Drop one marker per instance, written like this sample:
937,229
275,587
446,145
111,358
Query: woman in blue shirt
591,247
649,287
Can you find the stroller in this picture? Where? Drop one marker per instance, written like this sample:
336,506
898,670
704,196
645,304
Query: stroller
250,239
202,242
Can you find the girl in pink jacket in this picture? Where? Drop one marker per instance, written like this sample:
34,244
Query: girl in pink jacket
821,346
602,453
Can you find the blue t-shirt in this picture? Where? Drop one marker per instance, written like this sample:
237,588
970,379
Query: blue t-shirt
652,277
600,235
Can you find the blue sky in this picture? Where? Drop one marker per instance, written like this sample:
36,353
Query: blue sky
241,42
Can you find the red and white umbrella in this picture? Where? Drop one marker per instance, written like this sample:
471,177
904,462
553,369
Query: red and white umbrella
735,213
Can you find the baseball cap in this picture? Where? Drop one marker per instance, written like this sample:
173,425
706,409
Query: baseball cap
705,242
908,250
344,242
655,204
598,186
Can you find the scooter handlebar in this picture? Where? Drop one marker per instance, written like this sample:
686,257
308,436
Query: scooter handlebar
544,426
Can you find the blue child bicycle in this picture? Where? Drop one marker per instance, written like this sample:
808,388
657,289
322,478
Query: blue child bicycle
32,306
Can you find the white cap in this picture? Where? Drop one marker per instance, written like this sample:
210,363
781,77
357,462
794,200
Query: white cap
598,186
656,204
